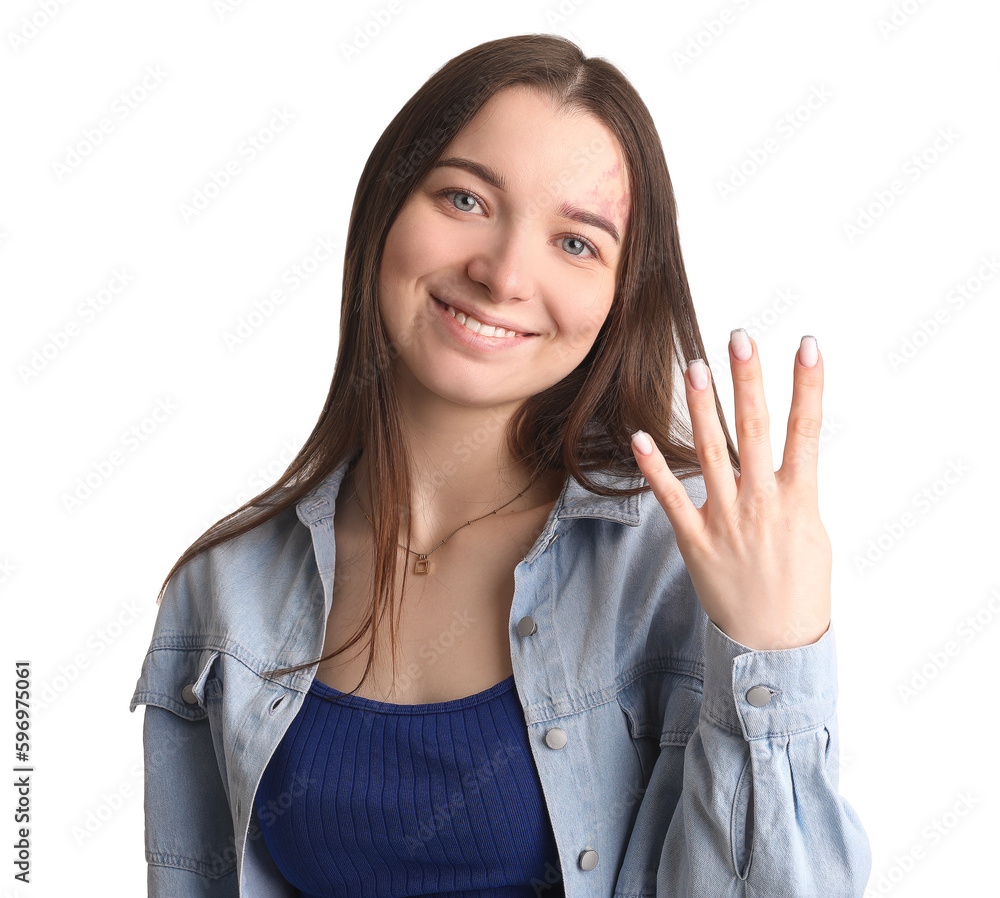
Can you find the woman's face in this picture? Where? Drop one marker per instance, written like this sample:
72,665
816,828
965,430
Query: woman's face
520,224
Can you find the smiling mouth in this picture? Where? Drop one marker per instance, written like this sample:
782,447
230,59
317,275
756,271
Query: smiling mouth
477,327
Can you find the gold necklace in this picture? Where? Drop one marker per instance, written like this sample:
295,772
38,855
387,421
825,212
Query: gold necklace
421,565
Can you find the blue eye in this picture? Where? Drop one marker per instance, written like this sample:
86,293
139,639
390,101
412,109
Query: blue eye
584,244
466,201
461,193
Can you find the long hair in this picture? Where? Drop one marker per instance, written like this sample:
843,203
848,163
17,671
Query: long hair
581,424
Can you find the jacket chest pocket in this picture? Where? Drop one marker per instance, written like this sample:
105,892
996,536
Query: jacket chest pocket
179,680
661,708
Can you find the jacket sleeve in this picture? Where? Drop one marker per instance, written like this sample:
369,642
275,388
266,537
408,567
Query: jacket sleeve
189,833
759,811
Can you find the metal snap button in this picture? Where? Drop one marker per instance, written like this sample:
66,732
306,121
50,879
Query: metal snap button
188,694
526,626
556,737
758,696
588,859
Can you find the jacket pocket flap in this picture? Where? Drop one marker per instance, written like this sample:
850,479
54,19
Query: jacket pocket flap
175,679
662,705
683,708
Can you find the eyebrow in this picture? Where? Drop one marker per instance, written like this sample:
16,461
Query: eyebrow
567,210
495,179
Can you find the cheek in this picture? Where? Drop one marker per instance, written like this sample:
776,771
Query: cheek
412,248
580,322
397,255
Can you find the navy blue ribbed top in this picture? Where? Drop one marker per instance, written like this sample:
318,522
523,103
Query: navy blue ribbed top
443,799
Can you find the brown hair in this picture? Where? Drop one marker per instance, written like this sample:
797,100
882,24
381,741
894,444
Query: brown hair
581,424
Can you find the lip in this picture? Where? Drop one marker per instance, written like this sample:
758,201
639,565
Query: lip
485,319
475,341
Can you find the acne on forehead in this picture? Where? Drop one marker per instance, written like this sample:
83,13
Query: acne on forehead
607,206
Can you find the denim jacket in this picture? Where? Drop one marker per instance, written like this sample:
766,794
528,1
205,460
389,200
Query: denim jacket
674,761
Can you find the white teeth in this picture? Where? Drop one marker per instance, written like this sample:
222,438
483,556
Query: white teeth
477,327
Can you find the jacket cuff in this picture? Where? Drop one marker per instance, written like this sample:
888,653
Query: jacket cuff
764,694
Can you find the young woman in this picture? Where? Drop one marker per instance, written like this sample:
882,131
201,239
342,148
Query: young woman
607,667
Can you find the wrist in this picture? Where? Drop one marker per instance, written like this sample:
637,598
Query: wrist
791,635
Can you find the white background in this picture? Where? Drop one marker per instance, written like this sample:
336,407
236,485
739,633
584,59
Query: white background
776,255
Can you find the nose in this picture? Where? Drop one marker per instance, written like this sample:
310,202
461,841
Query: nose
503,262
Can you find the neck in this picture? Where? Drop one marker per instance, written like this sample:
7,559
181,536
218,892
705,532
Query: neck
459,470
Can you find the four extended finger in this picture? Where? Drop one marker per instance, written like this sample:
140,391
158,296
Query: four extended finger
685,518
805,418
709,438
722,485
753,437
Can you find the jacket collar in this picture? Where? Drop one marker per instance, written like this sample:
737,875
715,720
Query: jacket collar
574,501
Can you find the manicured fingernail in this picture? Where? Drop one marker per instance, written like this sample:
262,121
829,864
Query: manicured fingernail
808,351
741,344
642,442
699,373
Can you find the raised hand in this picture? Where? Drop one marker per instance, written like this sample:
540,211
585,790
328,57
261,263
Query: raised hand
757,553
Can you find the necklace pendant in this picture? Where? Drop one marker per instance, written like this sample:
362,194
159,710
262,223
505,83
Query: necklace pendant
420,565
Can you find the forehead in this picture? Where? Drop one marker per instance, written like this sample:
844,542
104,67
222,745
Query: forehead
547,156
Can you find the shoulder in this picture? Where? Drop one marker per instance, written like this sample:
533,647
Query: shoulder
640,513
694,485
631,590
628,540
234,590
653,520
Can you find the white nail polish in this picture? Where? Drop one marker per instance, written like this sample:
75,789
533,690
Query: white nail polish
642,442
808,350
742,348
699,373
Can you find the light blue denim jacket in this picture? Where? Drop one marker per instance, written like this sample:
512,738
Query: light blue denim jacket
660,776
